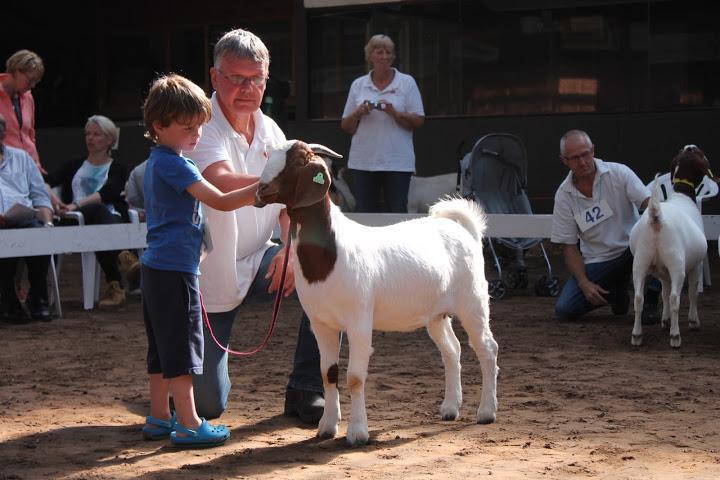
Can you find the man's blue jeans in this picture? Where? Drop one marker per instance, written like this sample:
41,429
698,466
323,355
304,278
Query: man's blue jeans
611,275
213,386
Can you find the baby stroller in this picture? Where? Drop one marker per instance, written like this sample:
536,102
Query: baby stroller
494,174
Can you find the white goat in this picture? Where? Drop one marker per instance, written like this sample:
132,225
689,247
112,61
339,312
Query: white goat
357,279
425,191
669,242
340,192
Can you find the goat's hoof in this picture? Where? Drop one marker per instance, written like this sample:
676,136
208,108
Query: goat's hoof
485,419
357,436
327,429
636,340
695,325
449,413
675,341
324,434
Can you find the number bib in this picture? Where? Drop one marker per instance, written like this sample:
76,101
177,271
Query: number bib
594,215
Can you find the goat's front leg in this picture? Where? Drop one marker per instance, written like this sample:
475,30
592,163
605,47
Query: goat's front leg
694,286
441,332
328,340
677,279
360,345
639,286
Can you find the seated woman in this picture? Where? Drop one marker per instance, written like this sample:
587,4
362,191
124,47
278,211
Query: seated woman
93,186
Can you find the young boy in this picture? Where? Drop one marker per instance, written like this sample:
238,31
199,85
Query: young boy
174,112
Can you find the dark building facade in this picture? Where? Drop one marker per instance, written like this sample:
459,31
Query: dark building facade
642,77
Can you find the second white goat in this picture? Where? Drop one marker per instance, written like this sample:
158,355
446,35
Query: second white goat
669,242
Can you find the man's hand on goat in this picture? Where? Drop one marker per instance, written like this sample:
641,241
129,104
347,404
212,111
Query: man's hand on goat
275,271
594,293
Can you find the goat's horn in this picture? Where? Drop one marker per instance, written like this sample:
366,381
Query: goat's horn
323,151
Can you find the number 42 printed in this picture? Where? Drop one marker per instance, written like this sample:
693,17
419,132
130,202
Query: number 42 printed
594,215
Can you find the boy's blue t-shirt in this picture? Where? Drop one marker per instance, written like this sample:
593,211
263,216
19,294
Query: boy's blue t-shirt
173,215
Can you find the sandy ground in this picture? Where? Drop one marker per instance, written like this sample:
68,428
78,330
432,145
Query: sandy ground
575,401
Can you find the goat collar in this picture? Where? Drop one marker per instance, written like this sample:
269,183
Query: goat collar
683,181
684,186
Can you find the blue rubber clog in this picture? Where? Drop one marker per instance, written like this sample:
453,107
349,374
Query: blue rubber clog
204,436
161,428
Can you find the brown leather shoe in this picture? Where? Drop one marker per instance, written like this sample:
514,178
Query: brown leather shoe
113,297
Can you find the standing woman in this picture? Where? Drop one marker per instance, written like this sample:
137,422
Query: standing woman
93,186
382,110
24,69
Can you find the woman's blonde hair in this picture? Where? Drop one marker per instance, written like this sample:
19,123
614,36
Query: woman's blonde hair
108,127
174,98
379,41
27,62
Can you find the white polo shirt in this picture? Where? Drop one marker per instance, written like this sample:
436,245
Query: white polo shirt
380,143
624,193
239,238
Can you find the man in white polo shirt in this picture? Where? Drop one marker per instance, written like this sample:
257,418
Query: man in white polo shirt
244,264
597,205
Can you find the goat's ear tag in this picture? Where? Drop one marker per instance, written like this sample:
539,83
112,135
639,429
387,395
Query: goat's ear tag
319,178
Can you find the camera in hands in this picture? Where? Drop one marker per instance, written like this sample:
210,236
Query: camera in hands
376,105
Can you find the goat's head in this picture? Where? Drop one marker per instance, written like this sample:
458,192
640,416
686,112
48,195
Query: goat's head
689,167
295,175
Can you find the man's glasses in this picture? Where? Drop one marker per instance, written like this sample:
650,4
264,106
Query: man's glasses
240,80
580,156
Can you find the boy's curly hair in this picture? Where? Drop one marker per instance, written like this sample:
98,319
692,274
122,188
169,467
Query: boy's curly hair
171,98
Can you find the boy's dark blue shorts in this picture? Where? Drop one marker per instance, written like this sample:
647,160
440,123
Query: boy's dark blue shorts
173,321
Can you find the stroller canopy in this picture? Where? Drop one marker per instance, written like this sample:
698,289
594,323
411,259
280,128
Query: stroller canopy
498,179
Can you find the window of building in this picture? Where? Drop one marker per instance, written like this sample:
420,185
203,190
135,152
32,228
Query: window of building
493,57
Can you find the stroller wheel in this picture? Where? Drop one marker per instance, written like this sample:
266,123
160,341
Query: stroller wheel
541,289
517,278
547,287
496,289
553,286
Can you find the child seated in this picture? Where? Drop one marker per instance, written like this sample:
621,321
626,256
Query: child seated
174,112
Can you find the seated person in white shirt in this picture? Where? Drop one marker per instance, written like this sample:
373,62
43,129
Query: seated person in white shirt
596,206
22,184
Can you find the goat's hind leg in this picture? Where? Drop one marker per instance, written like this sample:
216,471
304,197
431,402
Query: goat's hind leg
441,332
677,279
328,340
694,286
475,319
639,286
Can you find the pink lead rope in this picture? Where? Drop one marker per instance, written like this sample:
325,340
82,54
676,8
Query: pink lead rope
276,310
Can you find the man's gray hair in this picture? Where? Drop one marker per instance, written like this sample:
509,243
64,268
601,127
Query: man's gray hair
574,133
241,44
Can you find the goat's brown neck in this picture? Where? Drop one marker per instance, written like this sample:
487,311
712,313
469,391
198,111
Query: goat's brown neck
685,190
316,246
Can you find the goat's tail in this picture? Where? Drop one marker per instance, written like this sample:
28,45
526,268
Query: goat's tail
465,212
654,211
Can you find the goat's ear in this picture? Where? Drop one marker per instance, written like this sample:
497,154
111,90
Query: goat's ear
323,151
312,184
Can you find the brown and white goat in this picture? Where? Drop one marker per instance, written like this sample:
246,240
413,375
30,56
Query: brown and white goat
669,242
357,279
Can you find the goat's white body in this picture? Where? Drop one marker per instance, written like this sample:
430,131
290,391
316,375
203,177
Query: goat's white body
671,250
398,278
424,191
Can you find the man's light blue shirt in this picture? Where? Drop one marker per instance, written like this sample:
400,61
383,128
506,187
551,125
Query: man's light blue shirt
21,181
